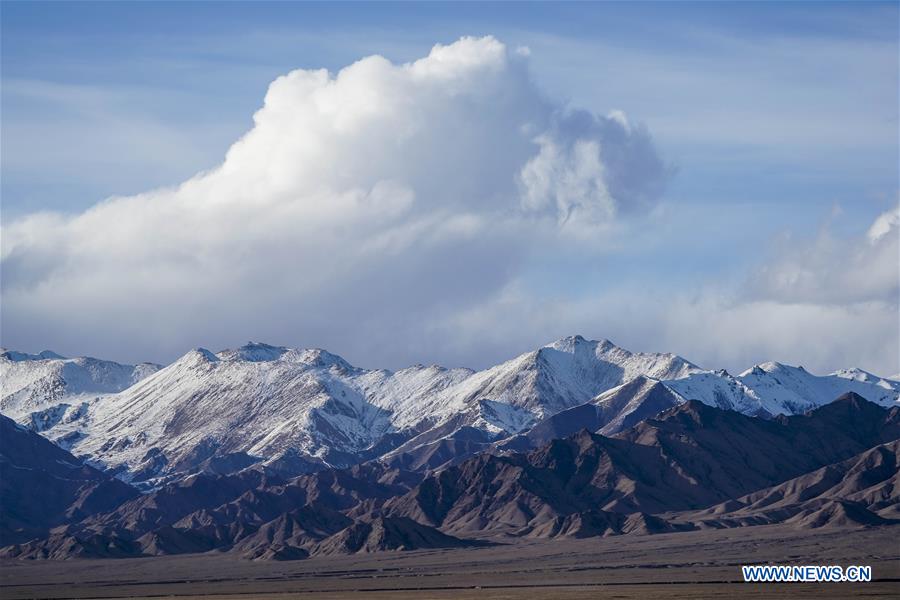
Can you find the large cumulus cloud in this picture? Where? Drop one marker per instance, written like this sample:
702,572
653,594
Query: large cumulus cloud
360,209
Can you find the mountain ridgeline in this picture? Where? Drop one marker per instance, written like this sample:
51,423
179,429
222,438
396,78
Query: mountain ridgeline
691,467
273,453
295,411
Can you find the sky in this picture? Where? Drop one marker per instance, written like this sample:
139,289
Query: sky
452,183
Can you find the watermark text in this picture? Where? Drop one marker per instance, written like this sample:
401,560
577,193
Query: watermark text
806,573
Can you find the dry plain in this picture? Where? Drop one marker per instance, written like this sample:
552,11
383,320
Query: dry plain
703,564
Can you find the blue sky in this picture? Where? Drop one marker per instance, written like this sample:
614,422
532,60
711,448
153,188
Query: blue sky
778,121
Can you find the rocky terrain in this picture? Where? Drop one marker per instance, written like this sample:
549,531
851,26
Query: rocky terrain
296,411
688,468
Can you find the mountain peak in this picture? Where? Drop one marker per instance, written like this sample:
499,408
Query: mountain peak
770,366
567,344
16,356
691,410
198,355
765,368
254,352
571,342
317,357
849,402
857,374
261,352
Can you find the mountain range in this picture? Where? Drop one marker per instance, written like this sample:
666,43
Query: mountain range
691,467
297,411
273,453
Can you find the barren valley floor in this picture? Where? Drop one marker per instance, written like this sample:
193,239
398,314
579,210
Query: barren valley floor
703,564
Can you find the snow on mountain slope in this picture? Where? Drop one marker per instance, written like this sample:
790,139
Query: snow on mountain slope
719,389
303,409
256,403
564,374
626,405
32,383
513,396
790,390
866,377
416,396
297,410
773,388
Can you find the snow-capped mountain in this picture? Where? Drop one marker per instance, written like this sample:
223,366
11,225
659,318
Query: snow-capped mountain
773,388
296,410
236,408
779,386
719,389
302,409
39,389
566,373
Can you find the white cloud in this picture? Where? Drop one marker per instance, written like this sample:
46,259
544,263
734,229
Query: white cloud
711,326
825,304
886,224
568,183
358,207
833,270
393,213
